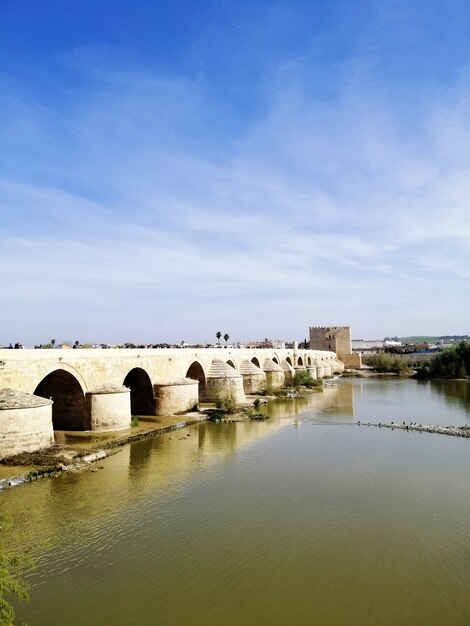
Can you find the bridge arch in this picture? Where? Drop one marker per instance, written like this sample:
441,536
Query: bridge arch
68,409
275,359
231,363
300,361
256,362
142,399
59,366
289,360
196,372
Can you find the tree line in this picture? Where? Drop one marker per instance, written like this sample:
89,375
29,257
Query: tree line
453,362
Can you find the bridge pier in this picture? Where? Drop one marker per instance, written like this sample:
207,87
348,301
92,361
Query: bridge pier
254,379
222,381
274,374
289,372
109,408
327,370
25,423
312,370
320,369
176,397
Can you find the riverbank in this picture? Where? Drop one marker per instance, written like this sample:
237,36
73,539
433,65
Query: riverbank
86,450
81,450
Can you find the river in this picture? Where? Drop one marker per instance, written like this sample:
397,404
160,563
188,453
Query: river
305,519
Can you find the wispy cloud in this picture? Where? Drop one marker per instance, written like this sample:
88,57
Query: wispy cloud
130,203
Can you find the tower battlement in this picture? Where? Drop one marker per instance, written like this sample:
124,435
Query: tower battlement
325,328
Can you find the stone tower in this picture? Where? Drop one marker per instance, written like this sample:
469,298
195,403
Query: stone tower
336,339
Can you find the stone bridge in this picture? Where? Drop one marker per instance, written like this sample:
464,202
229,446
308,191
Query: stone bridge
99,390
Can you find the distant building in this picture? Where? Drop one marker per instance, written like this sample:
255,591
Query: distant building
367,344
336,339
267,343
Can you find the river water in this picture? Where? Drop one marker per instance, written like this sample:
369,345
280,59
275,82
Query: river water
305,519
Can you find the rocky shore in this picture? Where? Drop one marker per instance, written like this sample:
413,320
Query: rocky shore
451,431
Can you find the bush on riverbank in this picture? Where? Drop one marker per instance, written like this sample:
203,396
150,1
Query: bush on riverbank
384,363
453,362
12,567
256,415
303,379
226,401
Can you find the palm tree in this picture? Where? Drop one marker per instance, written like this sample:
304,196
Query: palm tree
218,334
52,342
226,337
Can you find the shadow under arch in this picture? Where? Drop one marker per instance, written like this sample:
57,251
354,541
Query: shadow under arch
300,361
68,409
309,360
231,363
255,361
196,372
275,360
142,400
289,360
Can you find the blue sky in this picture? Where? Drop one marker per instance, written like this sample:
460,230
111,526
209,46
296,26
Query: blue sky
169,169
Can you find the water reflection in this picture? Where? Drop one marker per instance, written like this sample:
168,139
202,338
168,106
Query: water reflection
160,465
334,400
259,523
456,392
386,400
176,529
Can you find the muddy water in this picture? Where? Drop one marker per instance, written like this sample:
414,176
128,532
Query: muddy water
303,519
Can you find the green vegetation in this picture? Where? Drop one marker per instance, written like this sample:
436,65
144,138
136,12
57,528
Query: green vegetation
256,415
134,421
12,567
454,362
276,392
304,379
226,401
351,374
384,363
